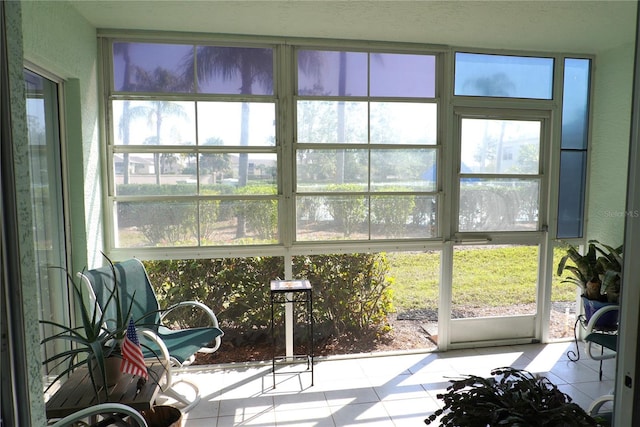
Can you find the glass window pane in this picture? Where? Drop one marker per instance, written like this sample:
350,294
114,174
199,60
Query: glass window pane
236,123
503,76
474,295
571,194
248,173
151,67
325,73
153,123
500,146
173,223
402,217
403,75
575,103
233,70
332,122
332,170
404,123
340,217
498,205
153,174
238,222
403,170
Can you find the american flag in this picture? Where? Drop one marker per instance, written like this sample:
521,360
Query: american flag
132,358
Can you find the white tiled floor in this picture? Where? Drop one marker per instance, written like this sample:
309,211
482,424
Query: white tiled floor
392,390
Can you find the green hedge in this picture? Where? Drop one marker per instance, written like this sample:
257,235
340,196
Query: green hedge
351,292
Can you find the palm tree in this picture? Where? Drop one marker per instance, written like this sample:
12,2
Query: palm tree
252,65
160,79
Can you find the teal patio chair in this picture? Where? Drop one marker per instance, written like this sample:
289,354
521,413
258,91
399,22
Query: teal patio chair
175,347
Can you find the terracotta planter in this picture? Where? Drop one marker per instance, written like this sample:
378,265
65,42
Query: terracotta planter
112,371
163,416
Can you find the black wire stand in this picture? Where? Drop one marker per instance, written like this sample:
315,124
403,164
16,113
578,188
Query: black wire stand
294,292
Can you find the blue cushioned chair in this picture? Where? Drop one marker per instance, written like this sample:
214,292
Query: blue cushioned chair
177,348
601,344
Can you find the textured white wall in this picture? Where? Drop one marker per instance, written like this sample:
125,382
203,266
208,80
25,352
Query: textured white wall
610,145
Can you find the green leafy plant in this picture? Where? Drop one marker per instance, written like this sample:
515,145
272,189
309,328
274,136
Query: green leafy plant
513,397
598,272
94,339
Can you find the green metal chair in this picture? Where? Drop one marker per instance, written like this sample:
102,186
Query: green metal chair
176,348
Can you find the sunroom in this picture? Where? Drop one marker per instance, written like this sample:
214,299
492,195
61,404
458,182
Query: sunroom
449,150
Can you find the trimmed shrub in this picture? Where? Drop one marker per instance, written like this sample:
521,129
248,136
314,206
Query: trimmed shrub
351,292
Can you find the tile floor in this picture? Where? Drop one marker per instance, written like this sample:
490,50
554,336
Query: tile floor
389,390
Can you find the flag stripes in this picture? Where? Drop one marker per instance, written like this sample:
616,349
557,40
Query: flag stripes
132,358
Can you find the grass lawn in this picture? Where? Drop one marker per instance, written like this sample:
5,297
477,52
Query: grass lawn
491,276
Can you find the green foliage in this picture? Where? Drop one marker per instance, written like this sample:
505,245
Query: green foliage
350,291
261,216
91,340
601,261
392,211
512,398
348,211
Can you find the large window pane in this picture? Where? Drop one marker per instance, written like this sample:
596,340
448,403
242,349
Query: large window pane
160,223
150,67
503,76
340,217
189,223
332,170
498,205
159,122
402,170
403,123
326,73
239,222
153,174
236,123
490,291
401,75
332,122
403,217
233,70
500,146
47,205
571,193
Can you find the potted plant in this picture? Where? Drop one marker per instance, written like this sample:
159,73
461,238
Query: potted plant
597,273
512,397
93,342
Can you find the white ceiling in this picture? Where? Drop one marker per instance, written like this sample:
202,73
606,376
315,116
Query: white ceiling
568,26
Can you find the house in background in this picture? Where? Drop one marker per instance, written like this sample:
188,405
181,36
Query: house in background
59,40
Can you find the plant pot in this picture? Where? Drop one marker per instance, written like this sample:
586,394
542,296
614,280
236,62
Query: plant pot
112,371
163,416
607,321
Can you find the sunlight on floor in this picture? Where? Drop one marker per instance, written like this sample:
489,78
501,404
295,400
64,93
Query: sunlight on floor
389,390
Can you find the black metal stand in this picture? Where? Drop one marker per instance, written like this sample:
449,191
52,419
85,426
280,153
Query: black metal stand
292,292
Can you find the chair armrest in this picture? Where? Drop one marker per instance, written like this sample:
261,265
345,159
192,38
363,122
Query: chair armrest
207,310
597,315
102,408
164,357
